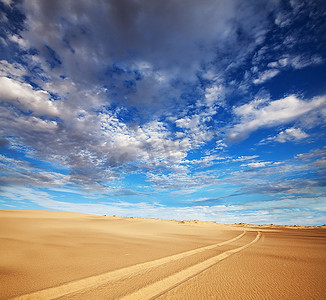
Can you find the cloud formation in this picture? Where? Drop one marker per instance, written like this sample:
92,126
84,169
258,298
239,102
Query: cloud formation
283,211
262,113
289,134
169,92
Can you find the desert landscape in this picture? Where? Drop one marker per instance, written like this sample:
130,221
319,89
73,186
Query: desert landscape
163,149
64,255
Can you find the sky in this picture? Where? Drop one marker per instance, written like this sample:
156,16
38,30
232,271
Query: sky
199,109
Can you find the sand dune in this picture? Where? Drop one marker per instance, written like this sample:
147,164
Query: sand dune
60,255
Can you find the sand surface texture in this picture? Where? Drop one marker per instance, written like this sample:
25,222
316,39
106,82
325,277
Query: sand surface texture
61,255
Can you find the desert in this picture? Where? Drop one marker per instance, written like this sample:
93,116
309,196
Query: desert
163,149
65,255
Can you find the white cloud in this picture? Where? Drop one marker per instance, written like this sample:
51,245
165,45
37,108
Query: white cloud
188,123
283,20
183,180
257,164
91,144
266,76
290,134
85,54
214,94
312,154
7,2
11,70
95,147
245,157
20,41
260,113
207,160
296,61
195,128
299,62
21,173
23,96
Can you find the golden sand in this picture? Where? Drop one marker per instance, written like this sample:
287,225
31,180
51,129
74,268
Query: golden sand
61,255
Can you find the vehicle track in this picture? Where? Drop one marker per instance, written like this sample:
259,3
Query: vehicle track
95,281
158,288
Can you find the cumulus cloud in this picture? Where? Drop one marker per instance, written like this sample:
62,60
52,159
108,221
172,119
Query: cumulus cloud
121,86
95,147
289,134
214,94
84,58
153,46
262,113
24,97
195,128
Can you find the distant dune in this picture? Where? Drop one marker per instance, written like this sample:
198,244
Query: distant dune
51,255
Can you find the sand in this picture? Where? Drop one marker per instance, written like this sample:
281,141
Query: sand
61,255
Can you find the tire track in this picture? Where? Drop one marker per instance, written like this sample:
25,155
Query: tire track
98,280
160,287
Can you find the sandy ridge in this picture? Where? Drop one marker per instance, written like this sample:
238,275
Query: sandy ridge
160,287
93,281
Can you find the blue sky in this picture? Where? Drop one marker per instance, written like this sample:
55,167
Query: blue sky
210,110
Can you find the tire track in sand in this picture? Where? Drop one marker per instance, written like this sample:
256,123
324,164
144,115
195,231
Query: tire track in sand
98,280
162,286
